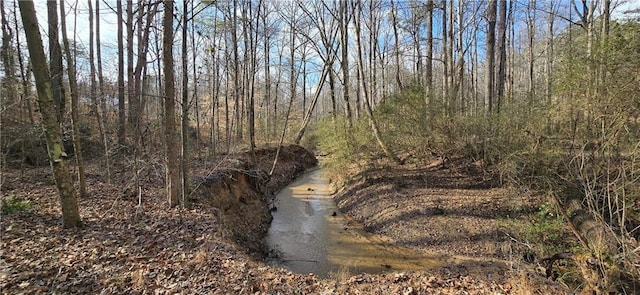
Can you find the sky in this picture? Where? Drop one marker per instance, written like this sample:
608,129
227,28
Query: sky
108,25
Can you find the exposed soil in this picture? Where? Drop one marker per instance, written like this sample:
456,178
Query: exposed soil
453,208
213,245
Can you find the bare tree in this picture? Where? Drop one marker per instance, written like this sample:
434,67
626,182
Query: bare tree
604,39
55,55
502,52
173,169
184,126
99,107
394,23
57,155
121,101
73,87
429,56
344,17
266,44
531,34
131,97
550,46
446,77
491,45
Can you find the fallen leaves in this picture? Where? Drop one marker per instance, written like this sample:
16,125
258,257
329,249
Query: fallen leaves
127,249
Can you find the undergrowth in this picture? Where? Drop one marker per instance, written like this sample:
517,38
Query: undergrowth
14,205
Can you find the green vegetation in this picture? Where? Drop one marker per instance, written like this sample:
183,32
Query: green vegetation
13,205
580,143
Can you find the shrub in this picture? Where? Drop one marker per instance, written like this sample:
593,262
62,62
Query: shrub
14,205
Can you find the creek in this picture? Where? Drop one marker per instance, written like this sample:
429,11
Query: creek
309,235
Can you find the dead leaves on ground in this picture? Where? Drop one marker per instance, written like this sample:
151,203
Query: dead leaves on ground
126,249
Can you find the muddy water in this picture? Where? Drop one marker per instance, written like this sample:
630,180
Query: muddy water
306,236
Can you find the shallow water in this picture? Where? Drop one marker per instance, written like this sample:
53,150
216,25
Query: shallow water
306,236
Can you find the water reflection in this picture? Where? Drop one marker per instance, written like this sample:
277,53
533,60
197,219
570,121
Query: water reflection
308,237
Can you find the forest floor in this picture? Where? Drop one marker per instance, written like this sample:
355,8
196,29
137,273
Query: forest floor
457,209
133,243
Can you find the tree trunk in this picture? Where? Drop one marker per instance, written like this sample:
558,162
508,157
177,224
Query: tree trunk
236,70
445,56
550,43
98,94
451,91
374,26
252,74
344,45
604,40
55,68
531,33
121,108
460,63
267,73
428,94
502,53
171,146
396,44
293,75
140,66
601,242
131,97
57,155
195,97
73,86
416,23
184,125
491,44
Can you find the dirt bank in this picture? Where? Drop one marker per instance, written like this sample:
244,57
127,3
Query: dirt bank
241,189
454,208
132,245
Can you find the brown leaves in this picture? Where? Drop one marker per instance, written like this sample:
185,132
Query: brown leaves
125,249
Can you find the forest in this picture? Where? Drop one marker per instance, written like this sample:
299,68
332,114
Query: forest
142,143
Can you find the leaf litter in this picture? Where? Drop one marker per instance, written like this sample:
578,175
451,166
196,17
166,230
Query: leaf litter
124,248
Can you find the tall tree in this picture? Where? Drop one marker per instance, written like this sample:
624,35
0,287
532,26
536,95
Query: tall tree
184,126
490,56
75,116
266,44
460,63
429,55
604,40
344,48
396,44
531,34
121,101
550,47
173,169
446,76
55,55
53,133
131,97
99,62
502,53
99,109
236,71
